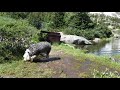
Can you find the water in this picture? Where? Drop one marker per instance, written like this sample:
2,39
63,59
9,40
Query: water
110,47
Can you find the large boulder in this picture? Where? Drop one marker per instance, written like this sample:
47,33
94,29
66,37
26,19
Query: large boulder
73,39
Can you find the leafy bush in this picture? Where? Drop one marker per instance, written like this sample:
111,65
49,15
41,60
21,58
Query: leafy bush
36,19
80,20
18,15
80,24
16,36
58,20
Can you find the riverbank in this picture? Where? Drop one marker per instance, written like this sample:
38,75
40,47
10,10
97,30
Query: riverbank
64,62
101,64
80,54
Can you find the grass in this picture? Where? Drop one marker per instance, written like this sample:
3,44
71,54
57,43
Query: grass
21,69
105,74
83,75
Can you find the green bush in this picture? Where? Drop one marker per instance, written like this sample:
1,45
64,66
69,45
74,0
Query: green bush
18,15
80,20
58,20
16,37
36,19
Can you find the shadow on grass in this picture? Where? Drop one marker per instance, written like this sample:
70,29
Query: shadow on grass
46,59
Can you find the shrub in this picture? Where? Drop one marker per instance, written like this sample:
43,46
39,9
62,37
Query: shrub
80,20
36,19
16,36
58,20
18,15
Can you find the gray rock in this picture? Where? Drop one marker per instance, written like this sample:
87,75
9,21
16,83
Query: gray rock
96,40
73,39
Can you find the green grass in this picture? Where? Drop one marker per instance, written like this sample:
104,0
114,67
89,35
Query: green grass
21,69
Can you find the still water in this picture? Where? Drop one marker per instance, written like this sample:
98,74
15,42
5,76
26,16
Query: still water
110,47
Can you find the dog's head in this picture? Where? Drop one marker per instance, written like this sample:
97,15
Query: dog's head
27,55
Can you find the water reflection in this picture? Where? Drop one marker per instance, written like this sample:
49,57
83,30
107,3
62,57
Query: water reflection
103,48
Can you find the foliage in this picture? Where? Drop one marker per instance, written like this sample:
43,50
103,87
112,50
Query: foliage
97,32
58,20
80,20
76,23
36,19
81,24
15,35
106,20
18,15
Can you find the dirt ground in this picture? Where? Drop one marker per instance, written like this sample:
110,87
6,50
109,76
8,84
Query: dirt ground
65,66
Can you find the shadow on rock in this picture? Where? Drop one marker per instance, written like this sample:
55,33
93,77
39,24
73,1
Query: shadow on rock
47,59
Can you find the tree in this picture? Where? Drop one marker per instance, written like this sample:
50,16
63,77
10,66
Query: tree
18,15
36,19
81,20
58,20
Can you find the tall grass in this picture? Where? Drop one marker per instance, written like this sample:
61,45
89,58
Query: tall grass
105,74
